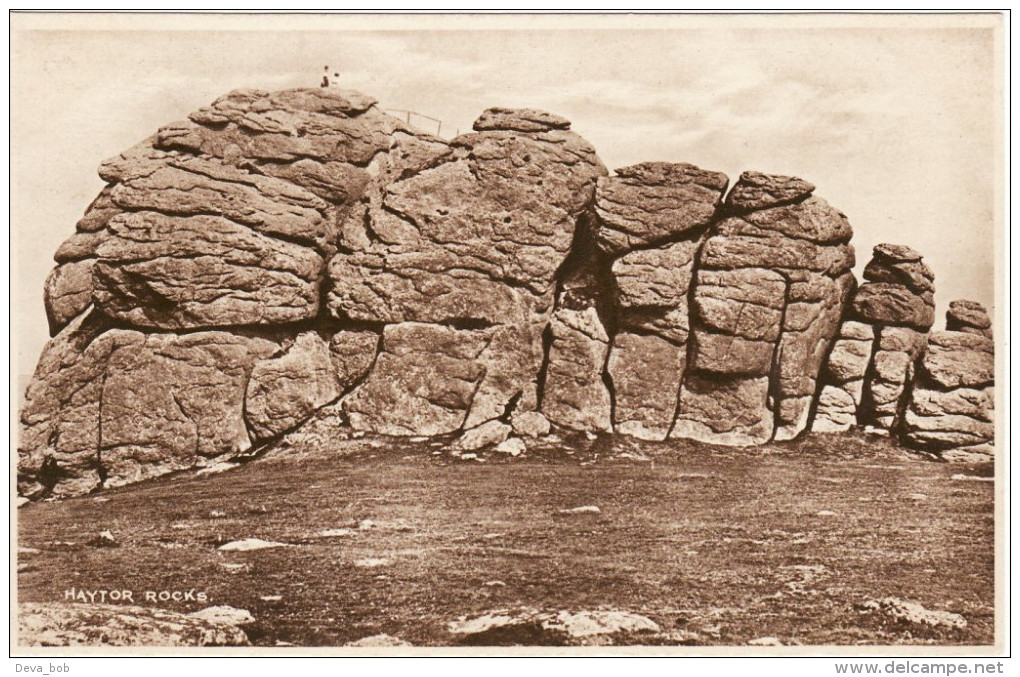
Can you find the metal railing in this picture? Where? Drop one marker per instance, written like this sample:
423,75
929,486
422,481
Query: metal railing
408,115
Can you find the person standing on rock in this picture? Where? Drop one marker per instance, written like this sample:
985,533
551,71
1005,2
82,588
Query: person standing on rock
327,81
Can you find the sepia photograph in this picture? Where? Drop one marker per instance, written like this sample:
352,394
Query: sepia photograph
507,334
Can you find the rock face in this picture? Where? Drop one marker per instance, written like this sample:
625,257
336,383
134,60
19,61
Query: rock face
772,282
278,254
952,400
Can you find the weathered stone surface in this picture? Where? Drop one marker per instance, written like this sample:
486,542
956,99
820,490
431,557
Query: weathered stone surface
147,179
645,372
488,434
654,202
60,417
945,430
324,125
171,272
67,293
353,353
893,304
892,368
724,410
968,316
728,252
652,289
530,423
98,213
575,394
959,359
814,308
915,275
812,220
851,353
422,383
82,245
285,390
519,120
746,302
723,354
478,236
755,190
843,375
426,377
172,402
112,407
837,410
62,625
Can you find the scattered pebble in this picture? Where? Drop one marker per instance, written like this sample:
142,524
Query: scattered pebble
333,533
917,497
512,445
104,539
217,513
590,435
912,613
100,499
365,525
27,551
371,562
251,544
494,584
591,509
973,478
271,598
632,456
379,640
224,615
765,641
825,513
467,457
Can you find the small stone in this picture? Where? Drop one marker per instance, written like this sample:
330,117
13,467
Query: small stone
912,613
825,513
334,533
584,509
917,497
251,544
494,584
971,478
378,640
530,424
372,562
22,501
514,446
765,641
224,615
105,539
485,435
271,598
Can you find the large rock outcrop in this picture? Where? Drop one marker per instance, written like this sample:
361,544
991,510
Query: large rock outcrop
282,253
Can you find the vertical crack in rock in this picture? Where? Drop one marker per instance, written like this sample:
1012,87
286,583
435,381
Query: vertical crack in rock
776,396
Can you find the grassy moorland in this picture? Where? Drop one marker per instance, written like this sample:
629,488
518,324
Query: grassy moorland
717,545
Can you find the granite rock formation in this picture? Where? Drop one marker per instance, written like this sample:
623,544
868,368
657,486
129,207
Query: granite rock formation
282,253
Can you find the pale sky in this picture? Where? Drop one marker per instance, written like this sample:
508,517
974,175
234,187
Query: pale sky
896,125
